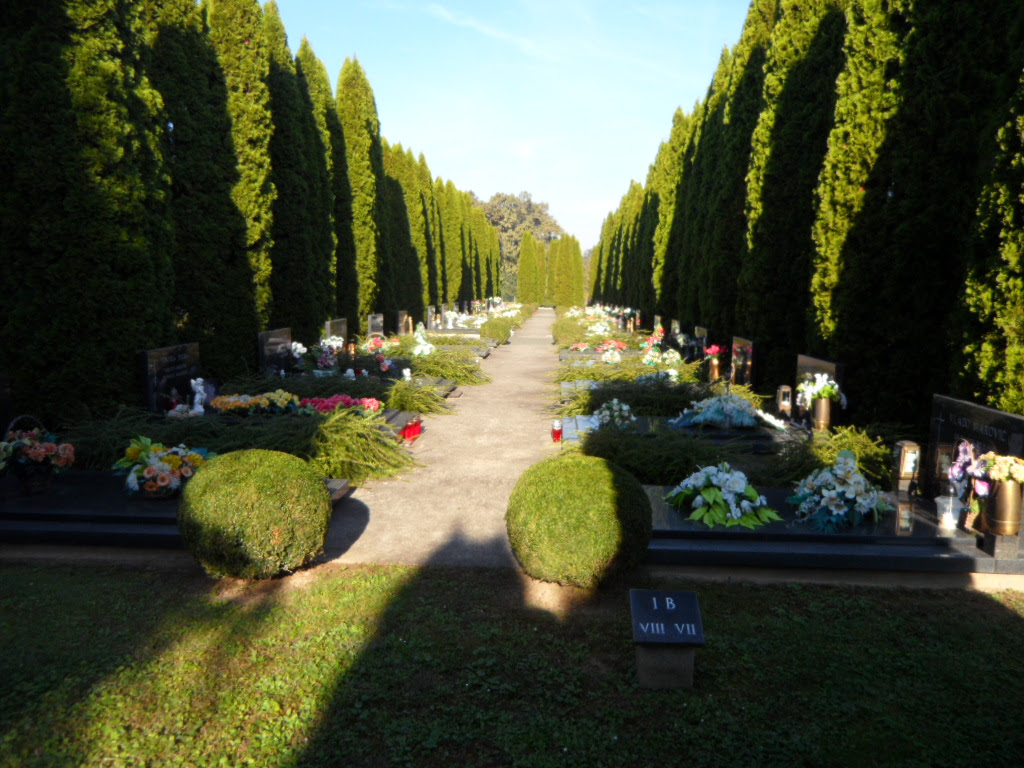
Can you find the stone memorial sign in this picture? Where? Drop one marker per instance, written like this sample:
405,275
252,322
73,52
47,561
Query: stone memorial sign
433,319
167,374
667,629
275,349
985,429
337,328
375,325
742,361
657,323
676,329
663,616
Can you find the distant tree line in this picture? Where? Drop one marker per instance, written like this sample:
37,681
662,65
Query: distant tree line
170,172
851,186
550,271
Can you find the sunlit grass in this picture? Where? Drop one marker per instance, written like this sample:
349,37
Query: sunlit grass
382,666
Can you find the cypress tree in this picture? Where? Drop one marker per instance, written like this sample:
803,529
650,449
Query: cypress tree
789,144
527,270
85,225
992,367
236,31
401,200
361,128
300,278
431,229
218,309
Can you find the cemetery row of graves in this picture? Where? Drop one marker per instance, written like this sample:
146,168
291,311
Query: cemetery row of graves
680,414
677,413
347,408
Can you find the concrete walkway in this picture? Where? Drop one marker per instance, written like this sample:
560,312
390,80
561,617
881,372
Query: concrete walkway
450,510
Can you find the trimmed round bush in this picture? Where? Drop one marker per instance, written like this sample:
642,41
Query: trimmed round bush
497,328
576,519
254,514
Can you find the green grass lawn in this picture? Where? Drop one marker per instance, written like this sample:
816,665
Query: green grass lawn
388,666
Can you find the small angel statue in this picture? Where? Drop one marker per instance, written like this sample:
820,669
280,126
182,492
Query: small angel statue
200,397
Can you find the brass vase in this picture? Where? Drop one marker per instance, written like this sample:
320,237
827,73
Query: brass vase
714,369
1004,509
822,413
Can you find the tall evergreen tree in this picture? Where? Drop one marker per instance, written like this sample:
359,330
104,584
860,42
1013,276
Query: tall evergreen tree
300,277
236,31
527,269
992,367
219,310
84,217
361,127
789,144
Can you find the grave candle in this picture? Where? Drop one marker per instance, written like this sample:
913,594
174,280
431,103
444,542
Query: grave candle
556,430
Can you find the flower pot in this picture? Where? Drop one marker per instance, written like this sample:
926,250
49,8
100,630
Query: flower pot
714,369
1004,509
161,492
822,413
33,477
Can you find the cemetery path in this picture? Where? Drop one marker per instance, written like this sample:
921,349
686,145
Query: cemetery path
451,509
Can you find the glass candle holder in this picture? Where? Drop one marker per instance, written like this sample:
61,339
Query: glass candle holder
556,430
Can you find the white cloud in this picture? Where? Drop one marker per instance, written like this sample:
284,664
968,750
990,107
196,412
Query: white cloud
527,46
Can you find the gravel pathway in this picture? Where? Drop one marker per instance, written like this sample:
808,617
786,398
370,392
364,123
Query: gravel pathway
451,509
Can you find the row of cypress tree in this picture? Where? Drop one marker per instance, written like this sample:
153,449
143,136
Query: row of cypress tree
550,271
849,187
172,173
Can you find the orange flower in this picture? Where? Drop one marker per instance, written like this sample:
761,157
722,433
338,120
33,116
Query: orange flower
149,472
163,480
150,486
186,470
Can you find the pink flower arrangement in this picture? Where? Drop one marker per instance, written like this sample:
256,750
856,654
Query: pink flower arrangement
331,404
713,351
608,344
580,346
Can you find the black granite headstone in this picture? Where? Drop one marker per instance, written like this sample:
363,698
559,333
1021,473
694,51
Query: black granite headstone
742,361
986,429
375,325
665,616
676,329
433,320
337,328
275,351
700,339
167,375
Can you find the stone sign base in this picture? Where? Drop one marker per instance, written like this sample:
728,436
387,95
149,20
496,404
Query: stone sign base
665,666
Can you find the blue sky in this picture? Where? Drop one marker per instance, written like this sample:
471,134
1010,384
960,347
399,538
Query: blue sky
565,99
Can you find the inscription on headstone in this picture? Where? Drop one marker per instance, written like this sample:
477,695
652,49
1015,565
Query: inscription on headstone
167,374
742,361
375,325
337,328
986,429
275,351
664,616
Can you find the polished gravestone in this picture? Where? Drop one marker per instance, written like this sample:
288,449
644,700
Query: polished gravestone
955,421
337,328
742,362
275,348
167,375
667,629
375,325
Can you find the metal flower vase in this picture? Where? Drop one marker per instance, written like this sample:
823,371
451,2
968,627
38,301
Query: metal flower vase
822,413
1004,509
714,369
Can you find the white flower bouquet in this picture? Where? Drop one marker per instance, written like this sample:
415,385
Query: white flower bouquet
838,497
615,413
821,386
720,495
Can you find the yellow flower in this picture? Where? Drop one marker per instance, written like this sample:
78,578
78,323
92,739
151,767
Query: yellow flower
195,459
133,452
173,461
